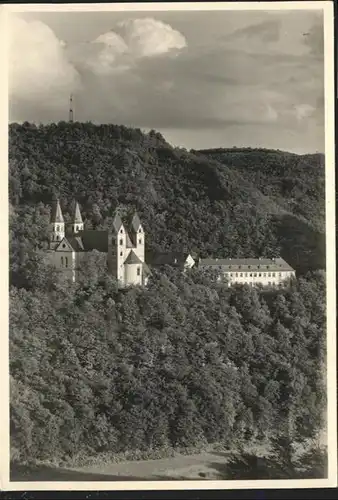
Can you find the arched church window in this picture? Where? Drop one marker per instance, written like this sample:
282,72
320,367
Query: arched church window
66,259
62,261
140,241
121,242
57,238
140,230
121,231
138,271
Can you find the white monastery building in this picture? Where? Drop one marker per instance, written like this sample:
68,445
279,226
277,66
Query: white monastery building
124,246
253,272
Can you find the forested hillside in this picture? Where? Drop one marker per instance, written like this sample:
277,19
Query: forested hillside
241,204
183,362
295,182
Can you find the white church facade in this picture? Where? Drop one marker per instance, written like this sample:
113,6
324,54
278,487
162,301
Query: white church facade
124,246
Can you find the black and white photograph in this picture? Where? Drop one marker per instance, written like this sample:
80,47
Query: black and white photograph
170,291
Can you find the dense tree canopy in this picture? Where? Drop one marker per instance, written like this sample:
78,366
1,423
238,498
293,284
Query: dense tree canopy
180,363
184,361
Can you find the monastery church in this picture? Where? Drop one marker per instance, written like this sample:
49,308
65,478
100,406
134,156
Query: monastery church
124,246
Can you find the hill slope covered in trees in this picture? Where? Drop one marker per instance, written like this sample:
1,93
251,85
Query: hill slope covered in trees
183,362
295,182
237,203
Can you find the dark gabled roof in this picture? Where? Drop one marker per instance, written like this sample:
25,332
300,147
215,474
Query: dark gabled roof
132,258
65,241
56,215
94,240
278,264
169,258
76,243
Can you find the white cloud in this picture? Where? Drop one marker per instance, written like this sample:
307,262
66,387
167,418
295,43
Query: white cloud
38,67
113,52
149,37
99,57
112,39
44,70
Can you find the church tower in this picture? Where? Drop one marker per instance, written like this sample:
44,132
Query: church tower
120,243
56,226
138,237
76,223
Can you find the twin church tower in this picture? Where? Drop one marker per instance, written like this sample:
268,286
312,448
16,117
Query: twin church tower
124,246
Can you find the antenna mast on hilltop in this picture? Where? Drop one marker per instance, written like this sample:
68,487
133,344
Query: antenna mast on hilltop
71,109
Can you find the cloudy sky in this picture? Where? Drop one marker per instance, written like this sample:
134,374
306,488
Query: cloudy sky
203,78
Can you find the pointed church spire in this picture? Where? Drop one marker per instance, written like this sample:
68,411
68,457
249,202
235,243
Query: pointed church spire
56,215
56,226
135,223
117,222
138,236
77,215
76,223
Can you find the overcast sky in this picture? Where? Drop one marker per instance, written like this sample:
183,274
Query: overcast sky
203,79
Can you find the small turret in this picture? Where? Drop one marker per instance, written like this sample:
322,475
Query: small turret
56,226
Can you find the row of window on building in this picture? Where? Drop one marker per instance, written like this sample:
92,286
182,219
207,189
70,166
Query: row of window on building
257,284
58,229
139,241
254,275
